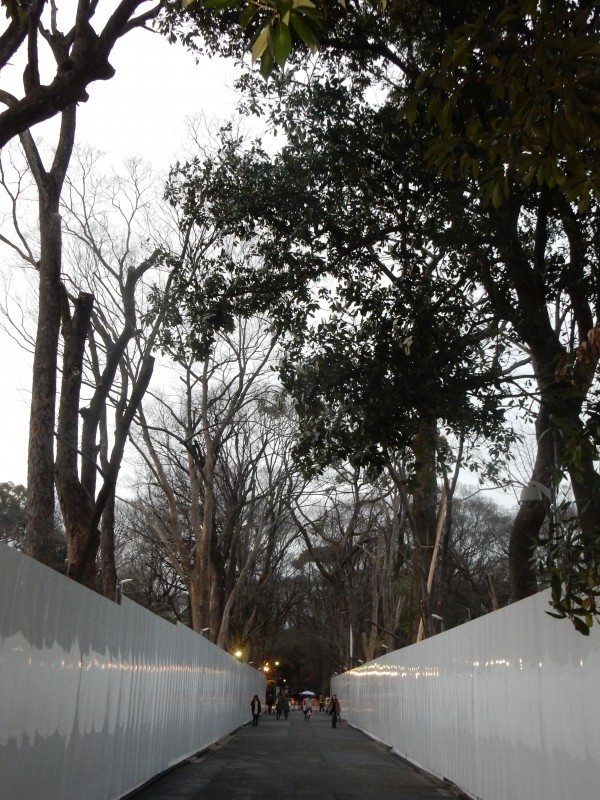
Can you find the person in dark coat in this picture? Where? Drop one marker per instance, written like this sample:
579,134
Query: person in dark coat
286,704
255,706
334,710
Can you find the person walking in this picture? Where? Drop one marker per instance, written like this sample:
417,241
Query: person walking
308,703
255,706
279,705
334,710
286,704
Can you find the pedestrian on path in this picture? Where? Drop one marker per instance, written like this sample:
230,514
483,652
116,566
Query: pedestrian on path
279,705
286,704
255,706
307,708
334,710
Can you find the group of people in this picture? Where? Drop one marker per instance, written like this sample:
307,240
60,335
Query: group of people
282,706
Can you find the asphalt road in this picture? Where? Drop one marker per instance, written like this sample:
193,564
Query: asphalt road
296,759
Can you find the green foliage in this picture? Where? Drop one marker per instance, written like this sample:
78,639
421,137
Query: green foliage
513,90
515,96
13,499
272,26
478,170
404,339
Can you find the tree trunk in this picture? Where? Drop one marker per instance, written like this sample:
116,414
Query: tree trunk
424,515
527,524
76,504
40,467
107,550
562,391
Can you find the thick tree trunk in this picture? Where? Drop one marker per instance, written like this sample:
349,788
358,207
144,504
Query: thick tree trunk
40,466
424,515
107,550
562,390
75,502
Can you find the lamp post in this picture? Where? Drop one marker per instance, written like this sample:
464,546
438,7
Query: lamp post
440,620
120,588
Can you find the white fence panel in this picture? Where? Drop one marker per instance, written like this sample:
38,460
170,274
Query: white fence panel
97,698
507,707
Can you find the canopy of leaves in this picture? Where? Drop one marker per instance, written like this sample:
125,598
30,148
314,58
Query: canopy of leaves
353,251
12,513
494,187
513,89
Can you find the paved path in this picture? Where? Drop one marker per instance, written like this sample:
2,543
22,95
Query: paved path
296,759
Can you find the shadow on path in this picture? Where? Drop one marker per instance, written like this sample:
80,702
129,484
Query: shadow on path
296,759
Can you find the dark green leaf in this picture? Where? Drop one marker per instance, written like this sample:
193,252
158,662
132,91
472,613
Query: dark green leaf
282,43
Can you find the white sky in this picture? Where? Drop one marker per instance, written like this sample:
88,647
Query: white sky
140,112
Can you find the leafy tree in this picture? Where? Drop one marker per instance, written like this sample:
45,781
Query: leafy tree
13,499
497,105
403,345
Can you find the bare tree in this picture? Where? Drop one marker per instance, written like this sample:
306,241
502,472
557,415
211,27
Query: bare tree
80,56
107,350
218,474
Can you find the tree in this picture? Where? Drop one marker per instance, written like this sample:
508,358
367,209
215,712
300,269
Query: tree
477,560
503,117
80,56
105,353
348,551
404,346
40,465
145,572
118,355
219,478
13,500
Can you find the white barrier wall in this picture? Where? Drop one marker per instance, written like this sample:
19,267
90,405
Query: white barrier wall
97,698
507,707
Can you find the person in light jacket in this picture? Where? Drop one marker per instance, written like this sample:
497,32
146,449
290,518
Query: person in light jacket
334,710
255,706
308,704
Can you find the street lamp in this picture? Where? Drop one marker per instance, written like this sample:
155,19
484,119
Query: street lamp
440,620
532,492
120,587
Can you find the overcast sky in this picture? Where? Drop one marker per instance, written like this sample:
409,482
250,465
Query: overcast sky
140,112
